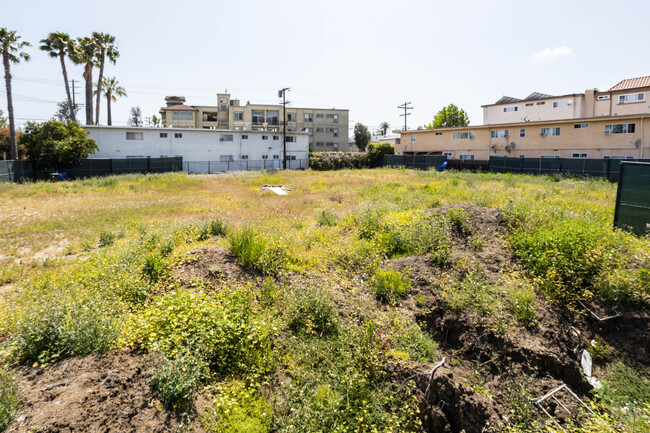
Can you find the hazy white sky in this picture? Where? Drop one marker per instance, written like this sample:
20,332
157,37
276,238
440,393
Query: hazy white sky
368,57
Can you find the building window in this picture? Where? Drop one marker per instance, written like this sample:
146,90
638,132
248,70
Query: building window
319,129
579,155
244,137
309,130
225,158
499,133
413,137
462,135
226,137
335,118
466,157
560,104
335,131
541,103
265,157
550,132
163,135
276,156
291,157
438,133
510,109
258,117
319,144
291,139
522,133
244,156
178,135
530,104
620,128
319,115
309,117
632,97
183,115
224,108
291,117
448,154
550,156
272,118
603,97
581,125
291,129
265,137
239,115
617,157
276,137
134,136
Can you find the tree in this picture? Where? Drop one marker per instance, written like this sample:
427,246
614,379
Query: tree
63,113
3,120
136,117
361,136
57,45
449,117
158,122
11,53
112,90
105,48
83,52
56,145
384,127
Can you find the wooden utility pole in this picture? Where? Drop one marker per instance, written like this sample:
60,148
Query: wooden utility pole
282,94
405,106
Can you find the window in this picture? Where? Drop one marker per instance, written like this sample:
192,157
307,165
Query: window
163,135
329,116
291,139
291,129
308,117
276,156
225,158
183,115
265,137
550,132
319,115
244,137
617,157
510,109
319,129
291,157
276,137
272,117
448,154
530,104
244,156
522,133
225,137
438,133
603,97
309,130
632,97
320,143
499,133
178,135
541,103
620,128
581,125
579,155
335,117
413,137
466,157
335,131
549,156
462,135
560,104
265,157
258,117
239,115
291,117
134,136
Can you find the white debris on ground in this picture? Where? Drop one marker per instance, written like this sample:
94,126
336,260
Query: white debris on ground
278,189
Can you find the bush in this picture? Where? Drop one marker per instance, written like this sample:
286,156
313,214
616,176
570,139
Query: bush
327,219
153,268
390,286
256,253
54,144
237,408
460,221
322,161
9,400
106,238
217,227
312,313
177,381
377,150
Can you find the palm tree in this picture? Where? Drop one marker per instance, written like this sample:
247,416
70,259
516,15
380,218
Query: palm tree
105,48
11,53
112,90
383,127
83,52
56,45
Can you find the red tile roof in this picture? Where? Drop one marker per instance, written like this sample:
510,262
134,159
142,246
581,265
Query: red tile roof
179,108
632,83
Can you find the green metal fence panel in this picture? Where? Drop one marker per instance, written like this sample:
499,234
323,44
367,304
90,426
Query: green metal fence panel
633,198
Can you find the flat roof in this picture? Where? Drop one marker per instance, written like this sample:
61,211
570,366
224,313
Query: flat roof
153,128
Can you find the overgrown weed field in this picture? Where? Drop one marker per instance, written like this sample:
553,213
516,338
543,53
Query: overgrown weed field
323,310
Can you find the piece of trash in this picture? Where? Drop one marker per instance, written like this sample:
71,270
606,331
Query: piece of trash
278,189
571,396
586,362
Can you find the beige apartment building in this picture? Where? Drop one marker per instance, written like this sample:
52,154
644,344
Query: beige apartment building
611,124
327,128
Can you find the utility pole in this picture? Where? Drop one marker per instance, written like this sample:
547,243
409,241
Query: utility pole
405,106
282,94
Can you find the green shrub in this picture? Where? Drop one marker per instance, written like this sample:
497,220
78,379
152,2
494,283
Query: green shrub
597,348
237,408
217,227
153,268
390,286
312,313
358,255
106,238
256,253
322,161
408,337
9,400
177,381
523,308
327,219
460,221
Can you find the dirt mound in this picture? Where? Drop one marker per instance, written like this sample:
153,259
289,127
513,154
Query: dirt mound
95,393
213,264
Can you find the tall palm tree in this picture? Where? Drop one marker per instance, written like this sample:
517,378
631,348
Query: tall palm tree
83,52
383,127
56,45
106,48
112,90
11,53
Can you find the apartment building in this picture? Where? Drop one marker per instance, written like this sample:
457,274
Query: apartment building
610,124
327,128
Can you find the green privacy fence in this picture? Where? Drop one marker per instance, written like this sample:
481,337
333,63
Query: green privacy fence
633,198
17,171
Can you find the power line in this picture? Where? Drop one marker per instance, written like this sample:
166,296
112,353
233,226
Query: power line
405,106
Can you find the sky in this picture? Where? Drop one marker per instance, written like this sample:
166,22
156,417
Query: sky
368,57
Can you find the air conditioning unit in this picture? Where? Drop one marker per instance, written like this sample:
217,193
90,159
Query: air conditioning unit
506,134
608,132
471,135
